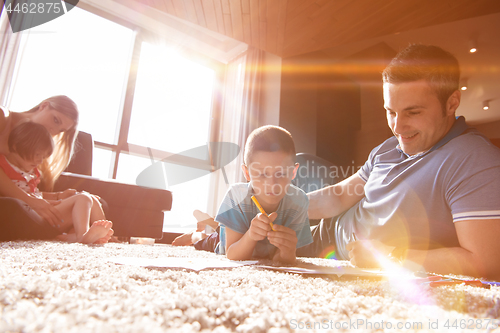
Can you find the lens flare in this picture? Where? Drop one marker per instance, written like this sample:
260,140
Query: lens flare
328,253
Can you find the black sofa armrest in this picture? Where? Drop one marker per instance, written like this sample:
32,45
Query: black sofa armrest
81,162
315,173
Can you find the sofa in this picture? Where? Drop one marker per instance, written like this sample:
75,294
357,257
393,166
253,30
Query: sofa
135,211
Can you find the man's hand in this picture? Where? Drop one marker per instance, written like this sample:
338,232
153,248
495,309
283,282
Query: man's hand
260,226
285,239
369,253
46,210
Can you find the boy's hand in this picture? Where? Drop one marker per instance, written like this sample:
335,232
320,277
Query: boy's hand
259,227
285,239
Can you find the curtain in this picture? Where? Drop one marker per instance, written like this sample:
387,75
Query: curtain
239,117
9,46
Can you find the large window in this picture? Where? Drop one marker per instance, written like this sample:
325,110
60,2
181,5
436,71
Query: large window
80,55
171,93
95,61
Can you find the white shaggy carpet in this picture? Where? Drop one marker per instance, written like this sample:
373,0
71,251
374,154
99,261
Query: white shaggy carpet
58,287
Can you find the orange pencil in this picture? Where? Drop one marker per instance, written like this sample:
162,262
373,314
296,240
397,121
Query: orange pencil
254,199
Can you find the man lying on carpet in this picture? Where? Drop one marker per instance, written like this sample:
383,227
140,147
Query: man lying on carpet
246,231
430,194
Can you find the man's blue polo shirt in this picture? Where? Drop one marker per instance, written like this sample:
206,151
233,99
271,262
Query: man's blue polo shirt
413,201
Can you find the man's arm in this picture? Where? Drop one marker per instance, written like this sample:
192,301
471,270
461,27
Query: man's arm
336,199
477,255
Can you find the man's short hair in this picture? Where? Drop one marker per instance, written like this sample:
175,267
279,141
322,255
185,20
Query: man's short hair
28,138
431,63
269,139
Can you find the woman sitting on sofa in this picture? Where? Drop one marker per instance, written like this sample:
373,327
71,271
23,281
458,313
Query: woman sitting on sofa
23,215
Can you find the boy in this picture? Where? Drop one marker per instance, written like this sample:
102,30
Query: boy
245,232
29,144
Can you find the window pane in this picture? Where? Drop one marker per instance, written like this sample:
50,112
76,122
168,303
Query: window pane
187,196
101,163
130,166
83,56
172,101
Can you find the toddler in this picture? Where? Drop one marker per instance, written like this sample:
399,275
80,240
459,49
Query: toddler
29,144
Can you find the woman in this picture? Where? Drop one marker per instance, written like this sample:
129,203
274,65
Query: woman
59,114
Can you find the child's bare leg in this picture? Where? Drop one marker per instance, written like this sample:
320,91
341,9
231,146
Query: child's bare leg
96,212
76,212
189,238
183,240
203,220
81,214
198,236
77,209
192,237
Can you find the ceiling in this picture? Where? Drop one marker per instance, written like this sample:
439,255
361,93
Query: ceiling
481,69
292,27
341,28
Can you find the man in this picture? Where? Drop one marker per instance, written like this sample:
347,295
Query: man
430,194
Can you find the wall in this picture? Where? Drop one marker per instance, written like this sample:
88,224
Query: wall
491,130
271,89
334,109
338,118
374,129
298,103
320,107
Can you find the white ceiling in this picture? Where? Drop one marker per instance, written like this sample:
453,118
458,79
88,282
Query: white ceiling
481,68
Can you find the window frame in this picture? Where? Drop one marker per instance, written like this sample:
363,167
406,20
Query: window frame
125,113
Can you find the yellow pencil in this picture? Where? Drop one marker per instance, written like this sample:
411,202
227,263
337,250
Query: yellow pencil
254,199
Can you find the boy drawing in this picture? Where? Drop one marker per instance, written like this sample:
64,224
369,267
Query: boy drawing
245,233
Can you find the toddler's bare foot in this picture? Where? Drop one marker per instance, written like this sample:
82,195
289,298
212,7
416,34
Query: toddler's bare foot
108,238
183,240
98,230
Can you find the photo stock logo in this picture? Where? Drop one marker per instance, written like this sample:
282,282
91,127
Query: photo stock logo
26,14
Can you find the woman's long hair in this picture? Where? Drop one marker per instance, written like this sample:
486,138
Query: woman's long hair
64,142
